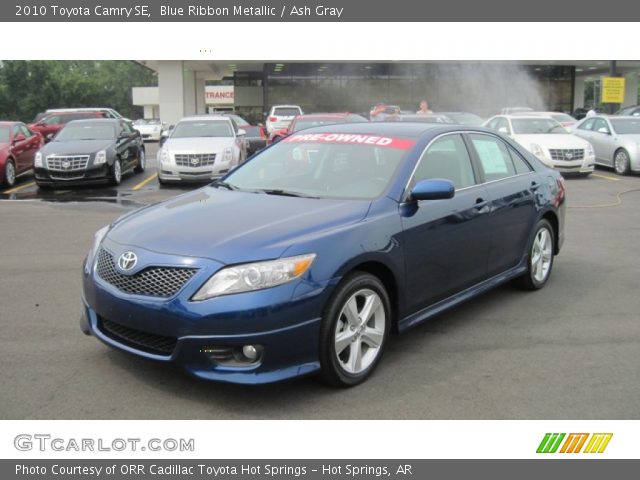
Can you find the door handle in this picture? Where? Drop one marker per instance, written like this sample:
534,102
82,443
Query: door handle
534,186
480,204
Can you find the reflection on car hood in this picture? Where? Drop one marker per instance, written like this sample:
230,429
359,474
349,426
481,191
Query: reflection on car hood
233,227
552,140
198,145
76,147
147,128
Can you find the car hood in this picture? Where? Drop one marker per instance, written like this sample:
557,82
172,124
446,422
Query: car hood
147,128
233,227
198,145
552,140
76,147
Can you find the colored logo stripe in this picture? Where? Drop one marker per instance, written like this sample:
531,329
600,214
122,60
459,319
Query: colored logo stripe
550,443
597,442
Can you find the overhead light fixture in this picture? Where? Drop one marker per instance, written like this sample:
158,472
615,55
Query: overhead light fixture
579,69
593,68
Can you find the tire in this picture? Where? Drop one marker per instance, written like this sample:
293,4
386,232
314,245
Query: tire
9,174
142,161
343,336
539,270
161,182
621,162
116,172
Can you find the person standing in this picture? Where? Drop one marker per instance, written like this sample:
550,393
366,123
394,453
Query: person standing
424,108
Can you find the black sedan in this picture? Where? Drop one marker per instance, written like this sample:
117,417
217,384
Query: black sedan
90,151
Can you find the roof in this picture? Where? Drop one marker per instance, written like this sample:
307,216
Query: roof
399,129
8,123
325,115
95,120
528,116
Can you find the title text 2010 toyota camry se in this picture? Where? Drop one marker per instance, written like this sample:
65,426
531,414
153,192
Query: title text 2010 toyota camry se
304,258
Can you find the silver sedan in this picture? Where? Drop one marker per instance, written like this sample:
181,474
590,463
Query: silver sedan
615,139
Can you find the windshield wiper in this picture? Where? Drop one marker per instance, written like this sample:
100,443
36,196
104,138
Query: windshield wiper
285,193
228,186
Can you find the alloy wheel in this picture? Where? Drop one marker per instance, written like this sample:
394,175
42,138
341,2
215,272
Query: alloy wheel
621,162
10,174
541,255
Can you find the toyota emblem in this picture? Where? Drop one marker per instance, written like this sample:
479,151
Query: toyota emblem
127,261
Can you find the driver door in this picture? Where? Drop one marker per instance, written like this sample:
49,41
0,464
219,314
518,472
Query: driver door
602,140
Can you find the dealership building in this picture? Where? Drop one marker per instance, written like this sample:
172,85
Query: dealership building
250,88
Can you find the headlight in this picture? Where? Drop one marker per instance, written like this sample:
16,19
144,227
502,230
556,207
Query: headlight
590,151
164,155
97,240
228,155
255,276
537,150
38,160
101,157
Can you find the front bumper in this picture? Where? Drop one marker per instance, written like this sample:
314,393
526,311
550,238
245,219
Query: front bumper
284,321
583,166
173,173
91,174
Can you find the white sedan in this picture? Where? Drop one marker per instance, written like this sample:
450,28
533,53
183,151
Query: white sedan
200,149
149,128
547,140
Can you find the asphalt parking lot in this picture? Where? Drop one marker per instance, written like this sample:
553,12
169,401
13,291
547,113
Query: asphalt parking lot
570,351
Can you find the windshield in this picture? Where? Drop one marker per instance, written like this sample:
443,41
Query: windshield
86,132
204,128
563,118
526,126
286,112
4,135
302,123
626,126
324,165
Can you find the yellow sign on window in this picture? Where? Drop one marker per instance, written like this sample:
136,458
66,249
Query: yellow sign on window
612,89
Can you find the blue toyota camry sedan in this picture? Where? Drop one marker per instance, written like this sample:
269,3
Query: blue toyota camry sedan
305,258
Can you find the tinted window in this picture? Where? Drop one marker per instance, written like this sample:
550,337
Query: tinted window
587,124
252,131
494,157
286,112
25,131
525,126
84,131
4,135
519,163
563,117
504,124
52,120
447,158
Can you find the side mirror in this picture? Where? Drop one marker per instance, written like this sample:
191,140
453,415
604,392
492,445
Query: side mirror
433,189
241,132
163,140
504,130
19,138
604,130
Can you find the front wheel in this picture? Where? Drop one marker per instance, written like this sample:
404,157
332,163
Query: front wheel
354,330
142,161
10,174
116,172
621,162
540,258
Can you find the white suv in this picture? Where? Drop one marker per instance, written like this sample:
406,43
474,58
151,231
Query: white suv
280,116
201,148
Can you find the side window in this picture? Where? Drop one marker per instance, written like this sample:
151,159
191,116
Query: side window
519,163
447,158
52,120
493,124
503,126
601,124
587,124
16,132
127,128
494,157
25,131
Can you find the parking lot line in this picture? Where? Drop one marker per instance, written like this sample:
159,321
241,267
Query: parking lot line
605,177
144,182
20,187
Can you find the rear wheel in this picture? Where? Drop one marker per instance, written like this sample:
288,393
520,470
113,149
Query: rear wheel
621,162
116,172
354,330
540,259
10,174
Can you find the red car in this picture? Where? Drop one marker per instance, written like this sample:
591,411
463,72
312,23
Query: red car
18,147
315,120
52,123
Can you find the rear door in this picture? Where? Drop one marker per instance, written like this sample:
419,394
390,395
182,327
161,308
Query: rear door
445,241
511,184
32,146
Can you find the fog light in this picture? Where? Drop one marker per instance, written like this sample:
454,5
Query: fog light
250,352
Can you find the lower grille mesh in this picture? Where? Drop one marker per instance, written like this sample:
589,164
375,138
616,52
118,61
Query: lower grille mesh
138,339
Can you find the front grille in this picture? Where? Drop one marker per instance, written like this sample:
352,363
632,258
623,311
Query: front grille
152,281
566,154
195,159
147,342
67,163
